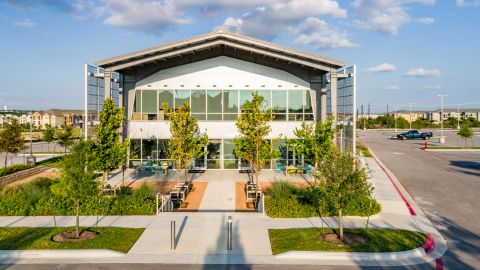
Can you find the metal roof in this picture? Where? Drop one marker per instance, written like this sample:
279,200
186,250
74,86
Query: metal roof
217,39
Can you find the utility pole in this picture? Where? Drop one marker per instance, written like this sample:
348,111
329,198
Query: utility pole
387,109
442,139
410,105
458,117
395,119
363,118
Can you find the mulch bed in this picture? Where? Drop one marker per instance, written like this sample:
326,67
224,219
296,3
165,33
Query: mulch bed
70,237
348,238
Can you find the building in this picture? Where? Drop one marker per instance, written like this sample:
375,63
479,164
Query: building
458,113
216,73
412,116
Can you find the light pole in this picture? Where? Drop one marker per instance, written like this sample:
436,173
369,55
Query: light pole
442,139
410,104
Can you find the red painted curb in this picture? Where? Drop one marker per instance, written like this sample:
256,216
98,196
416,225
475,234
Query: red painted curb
410,208
439,264
429,244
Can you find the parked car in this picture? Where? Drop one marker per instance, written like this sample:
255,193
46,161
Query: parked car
415,134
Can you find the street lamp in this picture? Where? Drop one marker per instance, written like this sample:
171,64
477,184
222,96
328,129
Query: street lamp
410,104
442,139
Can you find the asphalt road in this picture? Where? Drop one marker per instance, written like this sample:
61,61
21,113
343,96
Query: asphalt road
445,185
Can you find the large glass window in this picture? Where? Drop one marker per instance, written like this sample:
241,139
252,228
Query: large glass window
199,101
213,154
295,101
267,97
308,102
181,97
279,105
148,149
214,101
135,149
165,97
149,104
244,96
230,160
218,105
137,106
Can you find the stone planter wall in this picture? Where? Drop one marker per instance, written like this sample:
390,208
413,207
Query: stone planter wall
7,179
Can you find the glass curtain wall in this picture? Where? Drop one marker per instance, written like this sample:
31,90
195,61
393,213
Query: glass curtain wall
220,154
221,105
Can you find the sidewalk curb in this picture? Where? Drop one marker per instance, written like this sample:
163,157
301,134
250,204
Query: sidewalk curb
435,245
58,254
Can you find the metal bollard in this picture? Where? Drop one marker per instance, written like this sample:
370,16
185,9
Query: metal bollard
229,236
172,235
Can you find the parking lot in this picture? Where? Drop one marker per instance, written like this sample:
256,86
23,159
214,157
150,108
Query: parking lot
445,185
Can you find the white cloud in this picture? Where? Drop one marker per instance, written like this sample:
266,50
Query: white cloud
463,3
25,23
392,87
383,67
426,20
317,32
267,21
422,72
386,16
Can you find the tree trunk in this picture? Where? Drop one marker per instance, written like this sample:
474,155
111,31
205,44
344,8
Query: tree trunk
77,221
6,158
340,223
65,150
178,172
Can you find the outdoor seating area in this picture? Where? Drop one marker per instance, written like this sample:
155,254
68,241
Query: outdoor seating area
294,170
252,191
149,168
180,192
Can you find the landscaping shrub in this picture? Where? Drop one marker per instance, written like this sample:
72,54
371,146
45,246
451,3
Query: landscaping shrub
36,199
13,169
284,200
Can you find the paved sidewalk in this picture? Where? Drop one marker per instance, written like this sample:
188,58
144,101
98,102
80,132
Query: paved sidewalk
219,196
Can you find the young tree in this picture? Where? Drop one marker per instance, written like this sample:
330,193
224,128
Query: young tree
342,178
110,151
252,145
313,140
11,139
465,132
65,137
49,135
186,141
77,179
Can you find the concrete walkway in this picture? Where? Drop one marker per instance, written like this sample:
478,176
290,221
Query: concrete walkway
219,196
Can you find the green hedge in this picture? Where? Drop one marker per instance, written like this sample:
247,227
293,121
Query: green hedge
36,199
284,200
13,169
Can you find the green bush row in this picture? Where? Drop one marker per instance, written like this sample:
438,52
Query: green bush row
13,169
36,199
284,200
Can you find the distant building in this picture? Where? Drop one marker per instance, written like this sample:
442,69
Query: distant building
56,118
412,115
462,114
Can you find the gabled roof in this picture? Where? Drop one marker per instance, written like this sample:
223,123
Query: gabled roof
218,39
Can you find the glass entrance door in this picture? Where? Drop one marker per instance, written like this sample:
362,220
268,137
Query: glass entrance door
214,151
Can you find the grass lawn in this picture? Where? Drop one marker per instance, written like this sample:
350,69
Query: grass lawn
307,239
117,239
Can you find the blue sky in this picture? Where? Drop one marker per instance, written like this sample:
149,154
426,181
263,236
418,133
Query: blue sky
405,50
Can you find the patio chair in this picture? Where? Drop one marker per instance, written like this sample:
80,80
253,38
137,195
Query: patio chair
280,169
